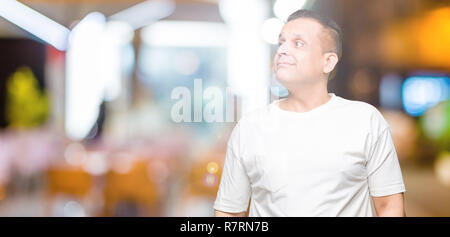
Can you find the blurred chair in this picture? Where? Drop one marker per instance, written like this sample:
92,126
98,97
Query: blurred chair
134,188
2,192
68,181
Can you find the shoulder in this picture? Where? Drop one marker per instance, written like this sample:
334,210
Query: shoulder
357,106
367,113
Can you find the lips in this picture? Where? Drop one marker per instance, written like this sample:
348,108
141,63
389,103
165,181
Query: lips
284,64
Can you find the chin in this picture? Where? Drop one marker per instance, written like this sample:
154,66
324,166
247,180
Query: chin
285,77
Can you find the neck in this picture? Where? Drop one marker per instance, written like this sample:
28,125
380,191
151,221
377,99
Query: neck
305,99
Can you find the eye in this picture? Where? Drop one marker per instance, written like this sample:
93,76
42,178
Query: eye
299,43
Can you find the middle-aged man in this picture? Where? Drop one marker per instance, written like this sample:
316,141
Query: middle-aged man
313,153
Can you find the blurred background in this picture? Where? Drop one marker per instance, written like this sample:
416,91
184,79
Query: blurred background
91,94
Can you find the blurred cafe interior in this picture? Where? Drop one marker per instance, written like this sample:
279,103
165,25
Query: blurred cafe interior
91,90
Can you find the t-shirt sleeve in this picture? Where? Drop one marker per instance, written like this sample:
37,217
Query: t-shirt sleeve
383,168
234,190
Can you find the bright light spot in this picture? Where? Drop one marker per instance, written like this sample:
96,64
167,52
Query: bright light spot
75,154
284,8
145,13
248,56
210,180
84,82
271,30
115,37
35,23
212,167
243,13
73,209
96,163
421,93
118,32
442,168
96,59
185,34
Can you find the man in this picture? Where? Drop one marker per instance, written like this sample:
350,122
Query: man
313,153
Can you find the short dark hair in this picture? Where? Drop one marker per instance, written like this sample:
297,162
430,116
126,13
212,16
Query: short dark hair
327,23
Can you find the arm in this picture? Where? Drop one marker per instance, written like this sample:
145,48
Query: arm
234,191
227,214
384,175
390,206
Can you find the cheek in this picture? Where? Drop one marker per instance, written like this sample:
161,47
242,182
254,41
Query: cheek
312,62
304,62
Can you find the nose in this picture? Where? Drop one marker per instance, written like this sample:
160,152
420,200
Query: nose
283,49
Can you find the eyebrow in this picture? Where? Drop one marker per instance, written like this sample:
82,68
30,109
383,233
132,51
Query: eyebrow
295,35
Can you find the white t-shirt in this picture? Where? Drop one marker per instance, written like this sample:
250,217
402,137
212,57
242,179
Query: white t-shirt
328,161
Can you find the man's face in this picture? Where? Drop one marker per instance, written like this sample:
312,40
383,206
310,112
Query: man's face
300,56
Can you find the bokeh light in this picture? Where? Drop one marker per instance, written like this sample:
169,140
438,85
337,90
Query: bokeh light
284,8
442,168
423,92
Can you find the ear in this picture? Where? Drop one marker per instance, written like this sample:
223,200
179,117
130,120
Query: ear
330,61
